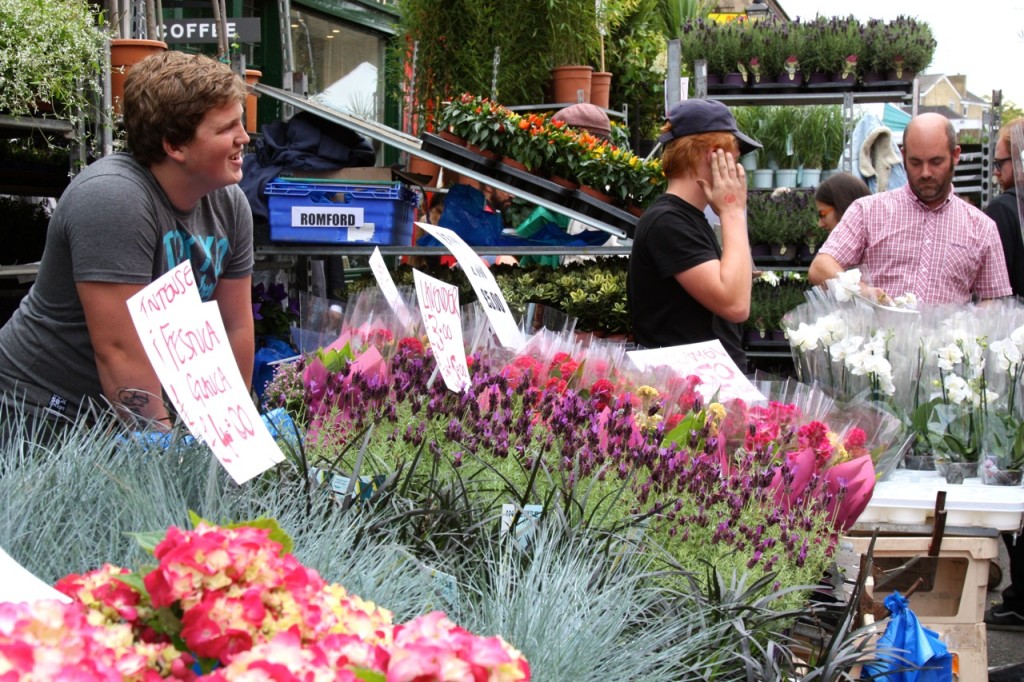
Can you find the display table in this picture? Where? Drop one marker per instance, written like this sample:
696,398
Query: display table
950,569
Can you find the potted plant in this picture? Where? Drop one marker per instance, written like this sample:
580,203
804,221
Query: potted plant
832,50
724,52
779,132
907,50
791,38
574,45
813,138
52,55
765,46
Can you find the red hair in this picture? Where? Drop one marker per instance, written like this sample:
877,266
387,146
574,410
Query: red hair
683,155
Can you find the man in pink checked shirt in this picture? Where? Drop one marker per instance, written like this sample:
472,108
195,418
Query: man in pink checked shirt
921,237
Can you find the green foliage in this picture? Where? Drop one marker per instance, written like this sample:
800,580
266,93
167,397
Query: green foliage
782,218
830,42
904,43
50,52
594,292
780,132
771,297
578,603
635,53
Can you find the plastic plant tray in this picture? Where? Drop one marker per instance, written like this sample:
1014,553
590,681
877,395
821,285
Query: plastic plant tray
908,497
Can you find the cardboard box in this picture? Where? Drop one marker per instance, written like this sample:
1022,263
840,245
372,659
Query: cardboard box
358,173
954,584
969,646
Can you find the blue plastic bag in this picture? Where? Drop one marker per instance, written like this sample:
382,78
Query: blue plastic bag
907,644
466,215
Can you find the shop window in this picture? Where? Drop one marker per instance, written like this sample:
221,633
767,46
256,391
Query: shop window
343,64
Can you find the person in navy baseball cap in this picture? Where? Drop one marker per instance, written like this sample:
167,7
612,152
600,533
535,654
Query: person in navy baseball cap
687,284
695,116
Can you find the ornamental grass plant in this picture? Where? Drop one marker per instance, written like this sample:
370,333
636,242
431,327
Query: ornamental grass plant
578,605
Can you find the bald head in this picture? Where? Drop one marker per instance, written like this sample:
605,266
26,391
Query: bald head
930,153
928,127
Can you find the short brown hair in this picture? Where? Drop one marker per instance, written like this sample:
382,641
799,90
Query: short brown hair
683,155
167,95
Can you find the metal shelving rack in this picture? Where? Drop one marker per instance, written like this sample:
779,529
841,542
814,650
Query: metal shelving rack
413,145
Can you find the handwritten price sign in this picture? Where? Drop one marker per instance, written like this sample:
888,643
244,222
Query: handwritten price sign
439,308
483,283
707,360
188,347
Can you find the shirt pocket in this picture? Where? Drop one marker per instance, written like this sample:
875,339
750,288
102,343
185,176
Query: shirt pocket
959,264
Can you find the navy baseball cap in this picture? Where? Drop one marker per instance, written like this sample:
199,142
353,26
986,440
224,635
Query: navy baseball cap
695,116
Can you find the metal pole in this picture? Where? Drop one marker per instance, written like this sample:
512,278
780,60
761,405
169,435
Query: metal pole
494,73
673,94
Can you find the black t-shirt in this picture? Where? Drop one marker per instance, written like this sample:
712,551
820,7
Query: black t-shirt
672,237
1003,210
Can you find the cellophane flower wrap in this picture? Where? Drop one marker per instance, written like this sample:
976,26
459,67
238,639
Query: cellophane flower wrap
951,374
233,602
570,424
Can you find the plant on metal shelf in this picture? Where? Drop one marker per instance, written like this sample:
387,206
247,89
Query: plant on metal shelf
50,55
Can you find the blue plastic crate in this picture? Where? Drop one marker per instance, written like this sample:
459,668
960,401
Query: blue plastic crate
340,212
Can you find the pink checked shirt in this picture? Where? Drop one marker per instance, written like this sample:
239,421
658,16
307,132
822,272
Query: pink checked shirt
901,245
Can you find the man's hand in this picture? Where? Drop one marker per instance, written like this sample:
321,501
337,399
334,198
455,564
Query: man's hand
728,190
875,294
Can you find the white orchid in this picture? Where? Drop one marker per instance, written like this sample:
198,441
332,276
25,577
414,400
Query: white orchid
956,388
847,285
1017,336
769,277
1008,355
832,328
907,300
843,348
804,338
983,398
949,356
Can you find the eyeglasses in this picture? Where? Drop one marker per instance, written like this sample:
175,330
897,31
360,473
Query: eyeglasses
997,164
825,212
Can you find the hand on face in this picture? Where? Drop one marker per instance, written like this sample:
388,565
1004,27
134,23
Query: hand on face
728,189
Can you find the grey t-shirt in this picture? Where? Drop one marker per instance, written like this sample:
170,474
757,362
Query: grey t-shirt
114,223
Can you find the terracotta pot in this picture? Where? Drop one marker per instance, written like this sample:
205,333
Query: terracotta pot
423,167
513,163
452,137
597,194
600,88
252,77
564,182
568,81
125,53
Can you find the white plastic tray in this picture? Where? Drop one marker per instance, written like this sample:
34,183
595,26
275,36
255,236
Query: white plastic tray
908,497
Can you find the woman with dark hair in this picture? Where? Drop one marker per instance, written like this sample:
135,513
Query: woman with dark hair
835,195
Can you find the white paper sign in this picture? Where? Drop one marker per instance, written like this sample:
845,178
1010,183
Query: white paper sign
707,360
18,585
487,290
388,288
188,347
439,308
528,518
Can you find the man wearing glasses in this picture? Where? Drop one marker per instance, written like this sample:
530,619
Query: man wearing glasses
920,237
1003,209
